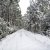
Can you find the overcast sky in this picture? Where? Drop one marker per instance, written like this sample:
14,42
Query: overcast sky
23,5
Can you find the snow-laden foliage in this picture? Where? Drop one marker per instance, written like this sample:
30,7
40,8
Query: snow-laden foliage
10,17
38,16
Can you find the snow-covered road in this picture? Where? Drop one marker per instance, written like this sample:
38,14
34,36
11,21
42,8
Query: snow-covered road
25,40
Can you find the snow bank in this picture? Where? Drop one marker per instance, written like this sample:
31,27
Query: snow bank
25,40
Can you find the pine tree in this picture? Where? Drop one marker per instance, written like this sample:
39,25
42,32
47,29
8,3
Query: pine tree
37,12
33,17
10,17
10,11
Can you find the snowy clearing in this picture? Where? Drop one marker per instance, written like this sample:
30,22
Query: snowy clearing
25,40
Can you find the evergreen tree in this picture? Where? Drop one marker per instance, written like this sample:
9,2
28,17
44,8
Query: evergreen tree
33,24
10,11
10,17
37,12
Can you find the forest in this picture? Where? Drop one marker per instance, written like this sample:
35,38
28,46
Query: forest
36,19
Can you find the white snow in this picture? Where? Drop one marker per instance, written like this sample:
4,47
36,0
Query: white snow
25,40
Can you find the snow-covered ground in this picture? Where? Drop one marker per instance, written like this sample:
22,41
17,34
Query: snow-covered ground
25,40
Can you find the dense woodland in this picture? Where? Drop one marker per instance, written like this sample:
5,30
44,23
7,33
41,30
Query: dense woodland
37,18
